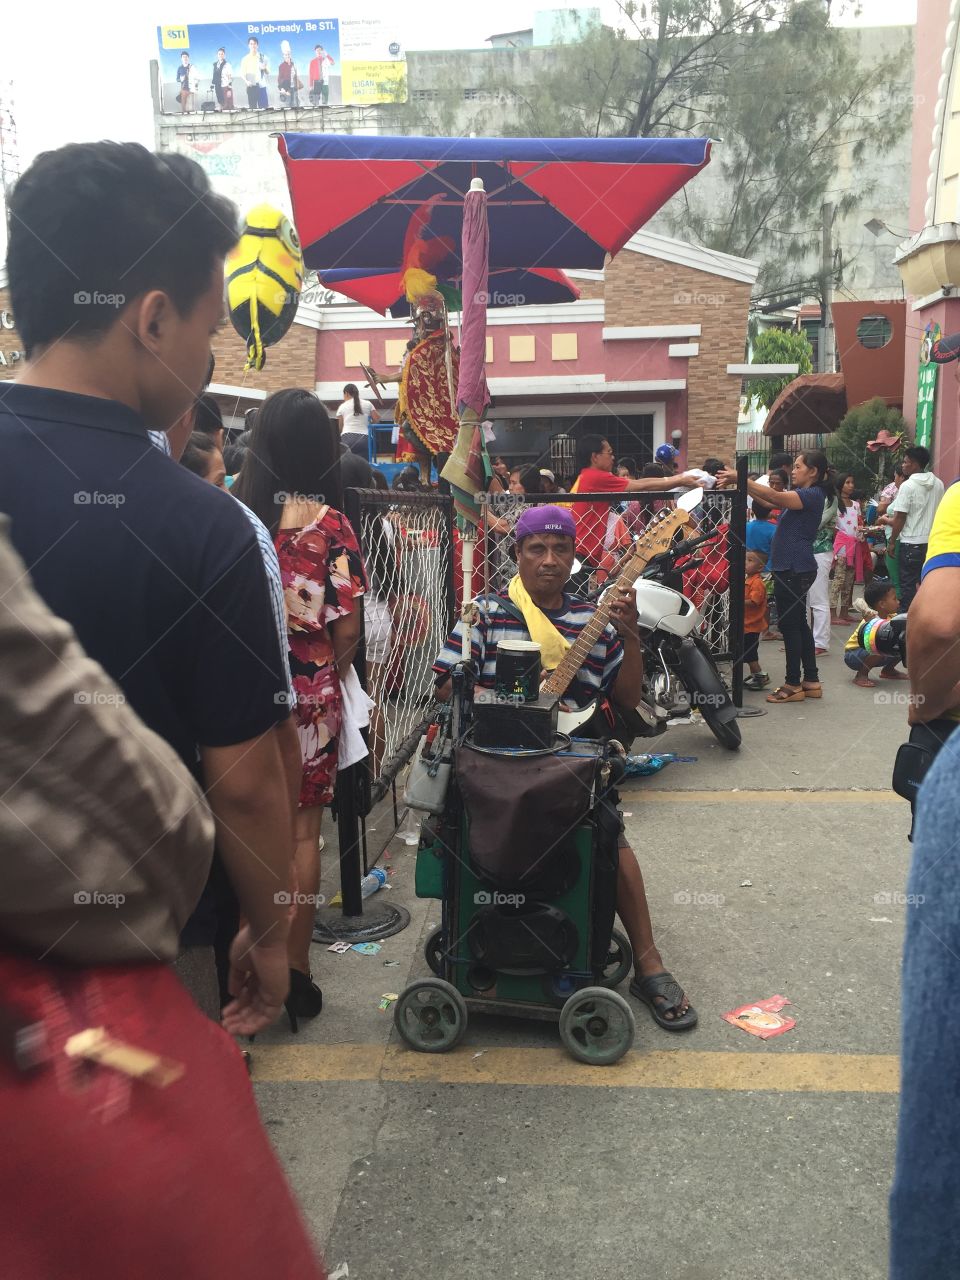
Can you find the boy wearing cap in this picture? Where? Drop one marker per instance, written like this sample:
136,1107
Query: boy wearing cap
613,669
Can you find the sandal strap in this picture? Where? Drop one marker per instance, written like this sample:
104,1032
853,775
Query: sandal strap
663,986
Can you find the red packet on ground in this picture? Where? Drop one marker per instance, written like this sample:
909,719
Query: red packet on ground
762,1018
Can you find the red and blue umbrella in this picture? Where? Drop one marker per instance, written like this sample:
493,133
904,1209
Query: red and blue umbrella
381,289
551,202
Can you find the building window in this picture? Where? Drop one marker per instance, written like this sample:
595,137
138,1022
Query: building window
393,350
522,349
355,354
563,346
874,332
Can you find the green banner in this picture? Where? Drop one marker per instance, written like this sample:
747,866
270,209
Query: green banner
927,387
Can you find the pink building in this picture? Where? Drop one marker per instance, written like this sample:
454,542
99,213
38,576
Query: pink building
929,260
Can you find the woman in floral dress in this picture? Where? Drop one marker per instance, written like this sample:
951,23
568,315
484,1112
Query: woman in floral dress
291,480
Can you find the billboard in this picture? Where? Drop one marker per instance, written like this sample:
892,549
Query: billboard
292,64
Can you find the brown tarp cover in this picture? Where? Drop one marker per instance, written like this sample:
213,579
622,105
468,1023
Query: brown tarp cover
812,403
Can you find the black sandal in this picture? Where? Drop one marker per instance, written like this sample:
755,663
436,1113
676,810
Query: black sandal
664,986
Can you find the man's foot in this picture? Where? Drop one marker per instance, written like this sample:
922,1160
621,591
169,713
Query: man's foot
771,635
890,673
864,682
843,620
821,652
665,999
758,681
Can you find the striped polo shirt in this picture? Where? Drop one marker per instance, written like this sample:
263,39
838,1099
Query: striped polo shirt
595,677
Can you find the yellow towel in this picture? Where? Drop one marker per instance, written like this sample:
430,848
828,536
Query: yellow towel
542,631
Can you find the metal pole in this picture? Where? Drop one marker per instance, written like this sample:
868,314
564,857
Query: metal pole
348,808
828,359
737,568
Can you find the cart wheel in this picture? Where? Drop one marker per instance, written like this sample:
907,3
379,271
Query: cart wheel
431,1016
435,950
619,960
597,1026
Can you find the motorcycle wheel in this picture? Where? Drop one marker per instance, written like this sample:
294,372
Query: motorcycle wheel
728,735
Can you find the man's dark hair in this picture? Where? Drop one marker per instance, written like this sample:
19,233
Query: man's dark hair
109,218
713,465
196,456
919,454
408,480
653,470
207,417
877,589
760,510
780,459
587,446
781,475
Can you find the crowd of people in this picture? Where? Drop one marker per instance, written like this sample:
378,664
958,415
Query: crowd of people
814,537
182,616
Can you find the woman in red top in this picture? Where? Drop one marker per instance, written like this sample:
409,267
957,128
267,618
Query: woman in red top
291,480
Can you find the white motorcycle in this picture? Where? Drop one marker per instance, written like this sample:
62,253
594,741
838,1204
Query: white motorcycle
680,675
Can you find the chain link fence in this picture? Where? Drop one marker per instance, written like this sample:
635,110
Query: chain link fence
609,533
413,556
408,551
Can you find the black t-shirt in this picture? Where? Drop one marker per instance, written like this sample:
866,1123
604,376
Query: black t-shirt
158,572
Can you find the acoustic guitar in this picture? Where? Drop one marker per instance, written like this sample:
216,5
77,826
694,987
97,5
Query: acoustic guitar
658,536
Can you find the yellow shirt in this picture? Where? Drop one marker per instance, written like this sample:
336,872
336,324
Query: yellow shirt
943,548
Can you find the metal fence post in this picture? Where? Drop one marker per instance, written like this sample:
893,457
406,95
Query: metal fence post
348,810
738,557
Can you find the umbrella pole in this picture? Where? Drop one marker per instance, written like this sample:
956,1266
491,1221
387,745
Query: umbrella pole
468,540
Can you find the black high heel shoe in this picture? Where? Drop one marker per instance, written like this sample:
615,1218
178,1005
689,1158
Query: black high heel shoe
305,999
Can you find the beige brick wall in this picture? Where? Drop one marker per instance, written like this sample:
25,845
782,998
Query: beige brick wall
291,363
643,290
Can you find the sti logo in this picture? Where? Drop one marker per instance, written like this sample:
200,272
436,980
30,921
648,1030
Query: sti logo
175,37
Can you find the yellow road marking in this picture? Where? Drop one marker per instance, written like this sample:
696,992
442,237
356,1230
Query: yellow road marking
754,797
678,1069
317,1061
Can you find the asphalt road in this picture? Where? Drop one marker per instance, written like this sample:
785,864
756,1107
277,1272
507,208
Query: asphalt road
703,1156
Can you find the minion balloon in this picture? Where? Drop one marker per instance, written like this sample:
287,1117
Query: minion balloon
264,279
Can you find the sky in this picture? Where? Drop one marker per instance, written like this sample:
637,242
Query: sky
52,110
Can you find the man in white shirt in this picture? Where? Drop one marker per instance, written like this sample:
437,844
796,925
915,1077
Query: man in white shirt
912,512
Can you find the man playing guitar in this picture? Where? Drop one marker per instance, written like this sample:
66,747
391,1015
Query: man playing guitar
611,669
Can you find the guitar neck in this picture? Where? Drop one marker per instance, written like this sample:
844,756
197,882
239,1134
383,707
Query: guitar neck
558,680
